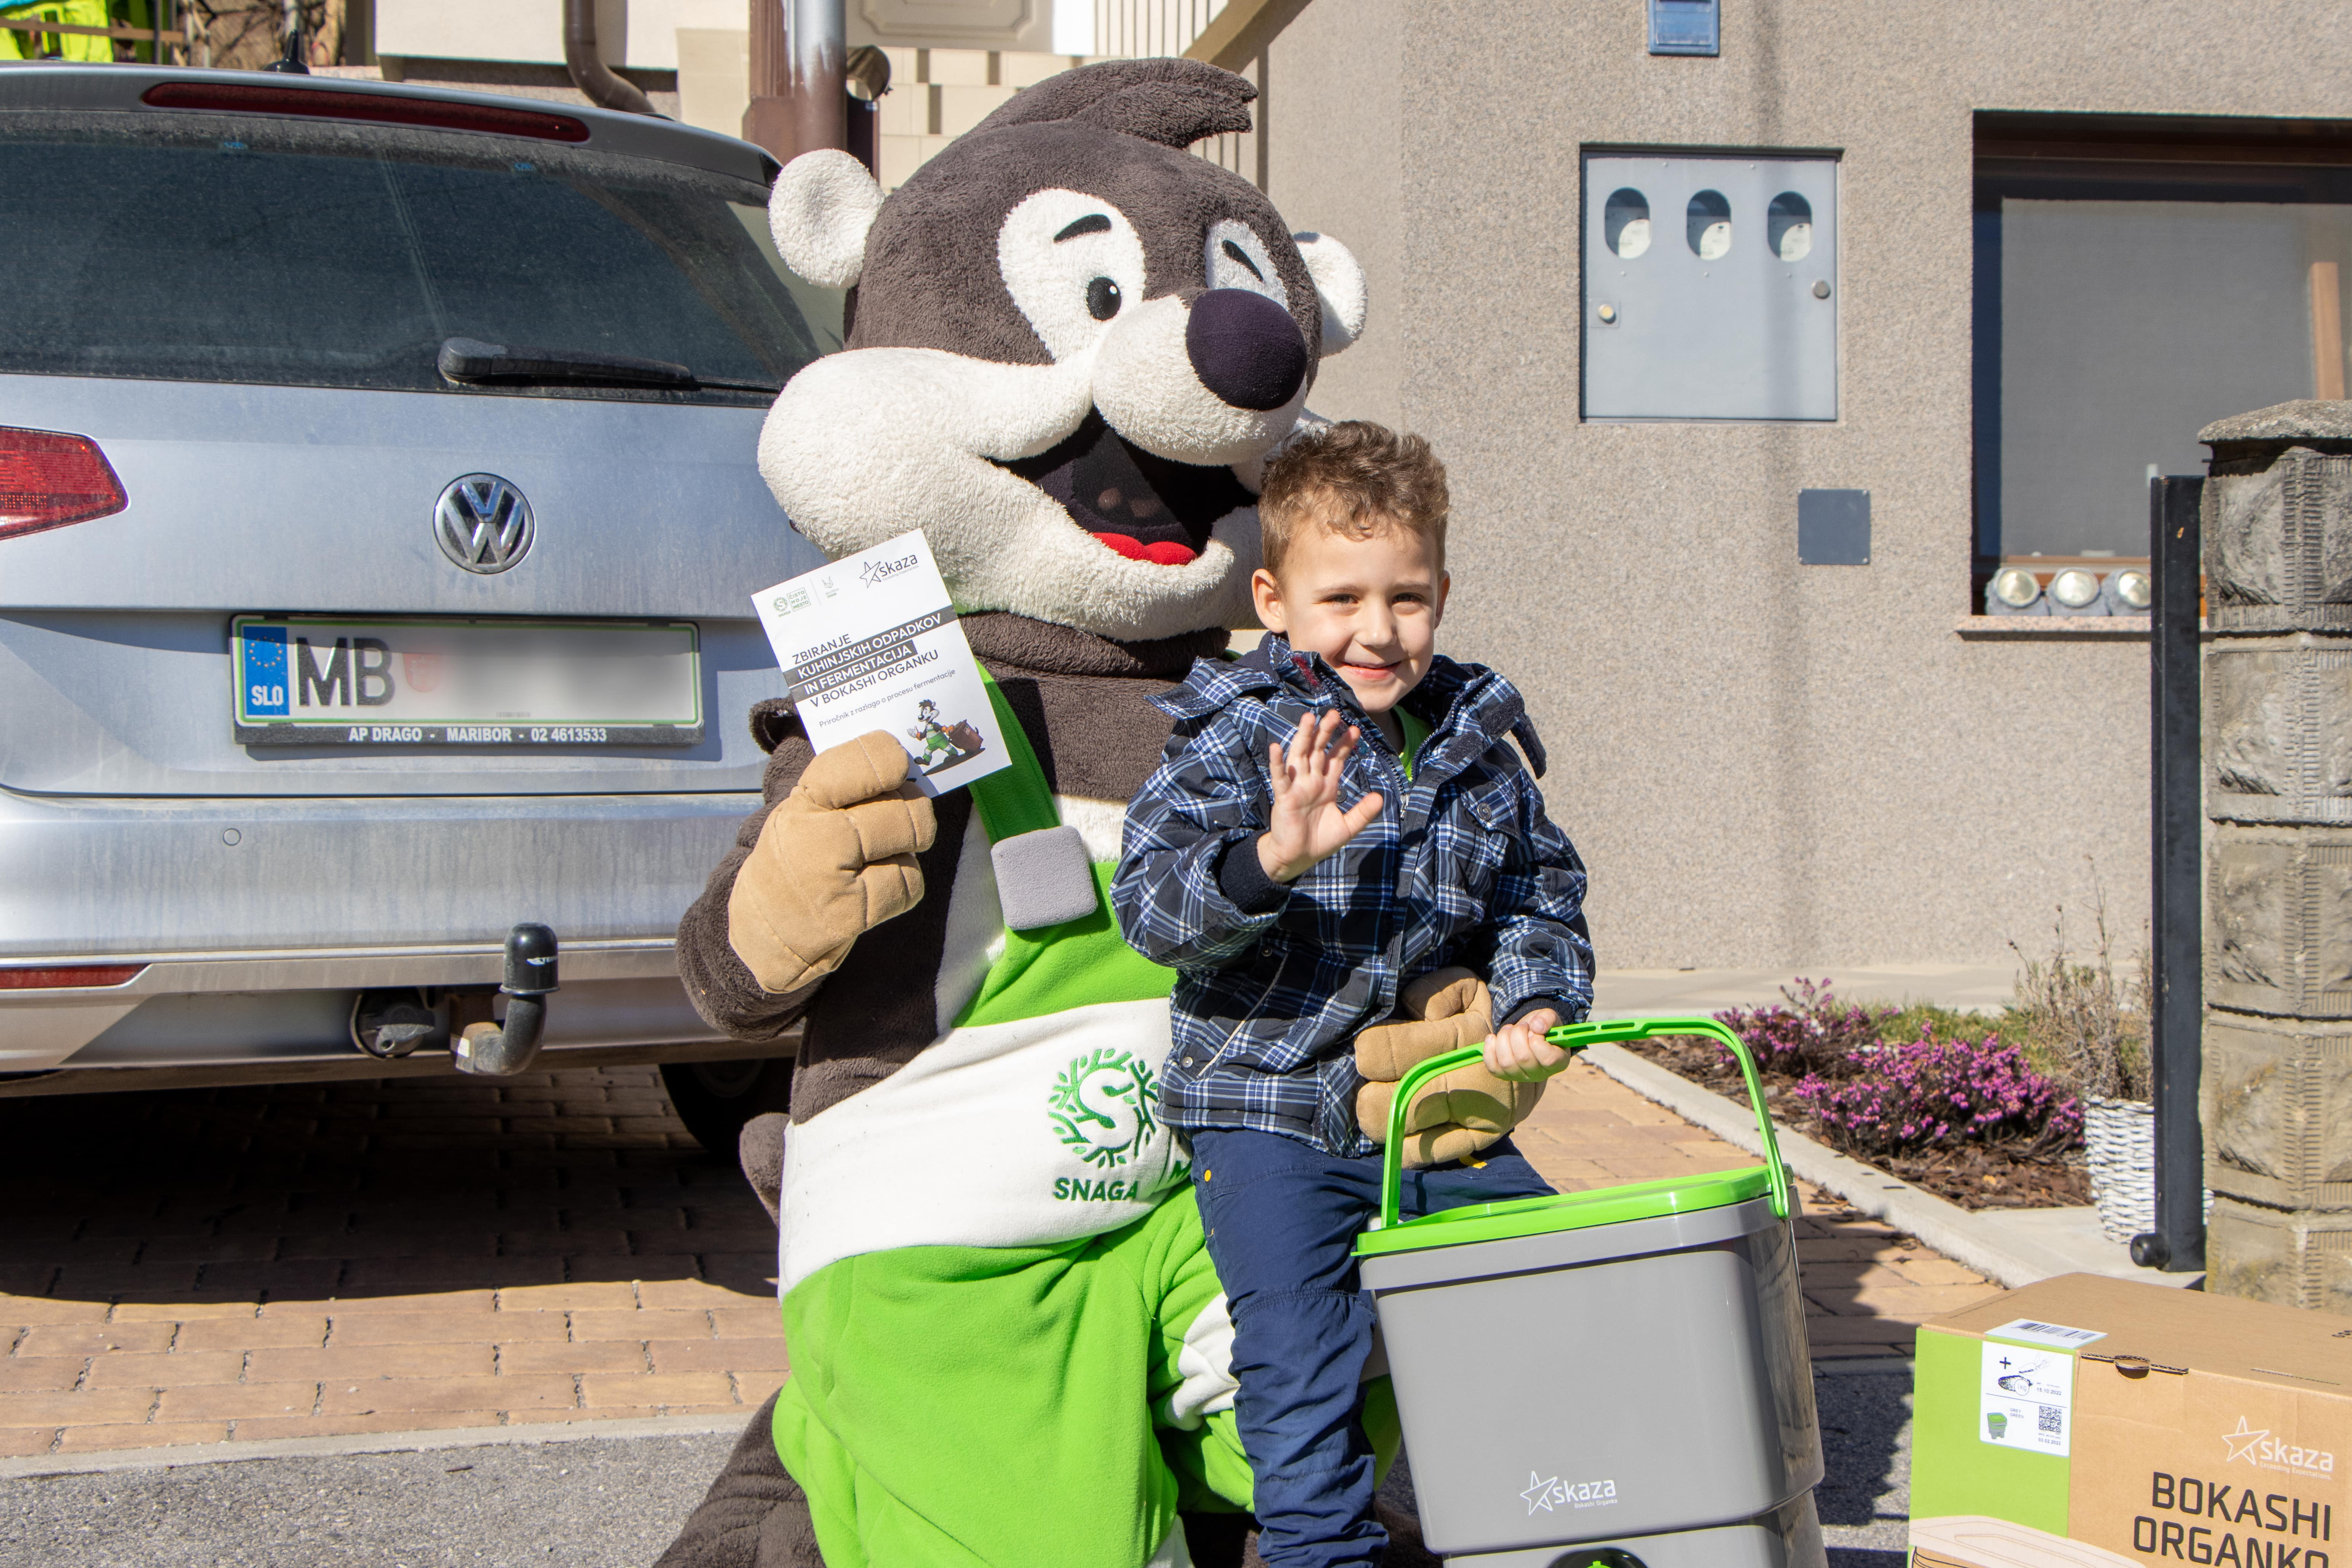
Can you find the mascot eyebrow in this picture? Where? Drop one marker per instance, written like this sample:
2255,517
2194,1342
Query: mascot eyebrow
1093,223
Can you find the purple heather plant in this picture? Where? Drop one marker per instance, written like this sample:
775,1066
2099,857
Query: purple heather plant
1814,1033
1929,1093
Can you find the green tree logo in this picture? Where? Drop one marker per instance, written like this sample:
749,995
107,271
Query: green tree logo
1102,1107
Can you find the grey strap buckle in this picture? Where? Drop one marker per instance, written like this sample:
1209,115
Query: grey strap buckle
1043,879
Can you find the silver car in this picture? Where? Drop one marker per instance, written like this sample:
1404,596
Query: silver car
378,523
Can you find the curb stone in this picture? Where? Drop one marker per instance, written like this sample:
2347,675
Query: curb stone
104,1461
1960,1235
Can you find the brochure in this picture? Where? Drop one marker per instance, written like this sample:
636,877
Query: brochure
871,642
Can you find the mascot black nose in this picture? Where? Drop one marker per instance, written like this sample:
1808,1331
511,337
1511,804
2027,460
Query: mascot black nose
1246,347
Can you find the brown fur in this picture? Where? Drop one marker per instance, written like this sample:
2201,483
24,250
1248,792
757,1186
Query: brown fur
1083,702
928,284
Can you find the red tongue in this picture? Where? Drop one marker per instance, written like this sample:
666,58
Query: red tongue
1166,553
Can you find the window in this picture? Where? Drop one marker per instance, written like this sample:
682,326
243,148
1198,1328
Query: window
217,247
2136,279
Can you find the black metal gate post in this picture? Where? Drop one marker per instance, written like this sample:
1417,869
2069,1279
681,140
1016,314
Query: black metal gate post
2176,828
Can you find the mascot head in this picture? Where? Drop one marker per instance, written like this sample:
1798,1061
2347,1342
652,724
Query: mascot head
1072,346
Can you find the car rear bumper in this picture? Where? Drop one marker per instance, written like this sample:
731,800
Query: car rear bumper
257,923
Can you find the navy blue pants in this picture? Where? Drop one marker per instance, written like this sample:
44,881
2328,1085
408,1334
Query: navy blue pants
1282,1220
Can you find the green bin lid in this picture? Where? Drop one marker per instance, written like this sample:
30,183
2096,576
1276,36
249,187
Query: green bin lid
1567,1211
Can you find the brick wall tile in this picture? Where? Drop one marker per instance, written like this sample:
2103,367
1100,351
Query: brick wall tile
41,1374
23,1442
147,1434
233,1333
719,1356
89,1409
433,1327
747,1322
657,1324
94,1339
123,1369
602,1389
356,1364
228,1401
528,1392
569,1356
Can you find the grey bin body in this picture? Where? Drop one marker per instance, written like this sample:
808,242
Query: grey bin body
1666,1409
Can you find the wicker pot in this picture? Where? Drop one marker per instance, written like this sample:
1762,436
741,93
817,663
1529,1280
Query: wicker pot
2119,1141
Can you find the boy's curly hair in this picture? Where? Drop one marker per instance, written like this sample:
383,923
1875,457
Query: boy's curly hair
1356,478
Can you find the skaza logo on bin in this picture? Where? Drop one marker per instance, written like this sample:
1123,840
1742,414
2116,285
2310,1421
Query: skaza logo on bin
1550,1492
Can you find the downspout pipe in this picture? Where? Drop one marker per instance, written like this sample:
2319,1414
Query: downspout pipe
589,71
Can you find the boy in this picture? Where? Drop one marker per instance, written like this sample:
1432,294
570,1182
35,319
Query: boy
1337,816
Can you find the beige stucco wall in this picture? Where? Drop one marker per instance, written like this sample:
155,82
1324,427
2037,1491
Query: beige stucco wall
1763,763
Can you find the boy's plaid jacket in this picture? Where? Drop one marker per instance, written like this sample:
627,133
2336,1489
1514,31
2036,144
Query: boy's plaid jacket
1462,867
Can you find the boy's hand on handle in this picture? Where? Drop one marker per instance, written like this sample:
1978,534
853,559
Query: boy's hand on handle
834,860
1457,1114
1306,826
1519,1053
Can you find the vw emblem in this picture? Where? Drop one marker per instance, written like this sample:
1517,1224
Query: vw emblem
482,523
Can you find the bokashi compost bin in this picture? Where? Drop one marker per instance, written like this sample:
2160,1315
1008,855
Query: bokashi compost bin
1655,1405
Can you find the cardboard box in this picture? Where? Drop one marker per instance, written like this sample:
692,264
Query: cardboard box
2093,1422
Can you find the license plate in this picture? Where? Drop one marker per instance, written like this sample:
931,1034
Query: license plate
331,680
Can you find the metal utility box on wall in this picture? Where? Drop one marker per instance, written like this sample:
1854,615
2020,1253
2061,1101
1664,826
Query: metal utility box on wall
1710,287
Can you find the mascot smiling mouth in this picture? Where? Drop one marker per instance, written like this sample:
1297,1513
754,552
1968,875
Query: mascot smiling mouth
1136,504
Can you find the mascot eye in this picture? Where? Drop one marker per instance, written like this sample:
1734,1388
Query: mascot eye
1102,298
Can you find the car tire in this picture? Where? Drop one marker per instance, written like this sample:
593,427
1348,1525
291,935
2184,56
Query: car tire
716,1099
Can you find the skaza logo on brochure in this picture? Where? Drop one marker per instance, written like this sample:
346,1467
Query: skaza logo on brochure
875,572
1101,1107
2260,1449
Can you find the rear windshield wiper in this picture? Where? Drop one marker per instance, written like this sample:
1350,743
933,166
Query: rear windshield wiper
473,363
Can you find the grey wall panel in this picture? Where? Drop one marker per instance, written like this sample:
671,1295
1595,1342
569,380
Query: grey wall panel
1691,310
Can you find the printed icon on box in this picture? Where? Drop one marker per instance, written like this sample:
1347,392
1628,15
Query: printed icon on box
1997,1423
943,745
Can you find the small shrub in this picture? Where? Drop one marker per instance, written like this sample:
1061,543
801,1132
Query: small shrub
2086,1025
1815,1033
1933,1093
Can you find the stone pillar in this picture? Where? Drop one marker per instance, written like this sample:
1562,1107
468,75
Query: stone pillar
2276,1096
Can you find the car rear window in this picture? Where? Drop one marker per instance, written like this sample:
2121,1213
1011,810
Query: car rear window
229,248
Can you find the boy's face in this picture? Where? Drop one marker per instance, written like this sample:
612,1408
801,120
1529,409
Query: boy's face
1369,606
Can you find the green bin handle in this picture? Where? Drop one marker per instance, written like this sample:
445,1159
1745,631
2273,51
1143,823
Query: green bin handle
1574,1037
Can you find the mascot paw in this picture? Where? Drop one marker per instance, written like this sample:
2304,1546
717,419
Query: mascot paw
1458,1114
836,859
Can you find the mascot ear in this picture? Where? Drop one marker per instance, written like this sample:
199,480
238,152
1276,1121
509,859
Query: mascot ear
819,211
1340,282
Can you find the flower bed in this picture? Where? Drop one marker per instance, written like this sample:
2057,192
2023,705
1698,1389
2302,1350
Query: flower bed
1921,1094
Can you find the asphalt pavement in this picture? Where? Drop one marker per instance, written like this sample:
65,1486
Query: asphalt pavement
616,1503
582,1504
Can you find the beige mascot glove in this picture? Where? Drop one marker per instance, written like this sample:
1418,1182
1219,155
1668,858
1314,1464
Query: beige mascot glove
836,859
1457,1114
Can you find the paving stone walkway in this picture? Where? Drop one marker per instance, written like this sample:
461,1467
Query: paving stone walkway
1867,1286
298,1261
188,1266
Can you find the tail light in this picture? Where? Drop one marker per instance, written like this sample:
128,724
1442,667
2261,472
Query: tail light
47,481
67,978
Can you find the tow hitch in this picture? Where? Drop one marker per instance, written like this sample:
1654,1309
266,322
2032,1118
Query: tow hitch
498,1052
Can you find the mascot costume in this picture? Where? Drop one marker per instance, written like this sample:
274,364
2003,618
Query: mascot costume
1072,346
